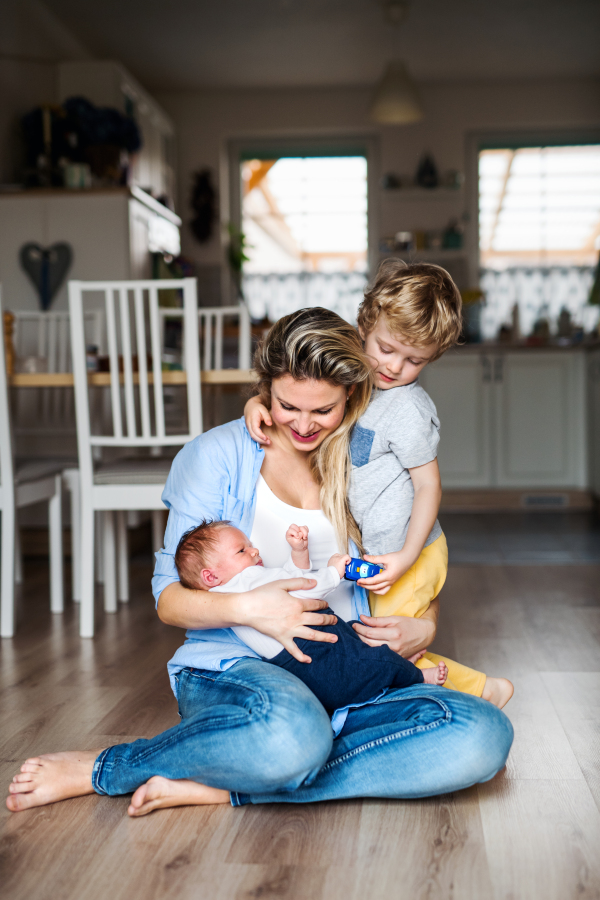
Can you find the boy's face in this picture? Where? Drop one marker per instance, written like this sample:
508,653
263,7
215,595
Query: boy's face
395,362
233,553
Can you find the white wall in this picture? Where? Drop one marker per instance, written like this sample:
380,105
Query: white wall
32,42
206,120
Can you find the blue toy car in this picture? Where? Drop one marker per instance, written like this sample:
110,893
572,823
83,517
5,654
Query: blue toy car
358,568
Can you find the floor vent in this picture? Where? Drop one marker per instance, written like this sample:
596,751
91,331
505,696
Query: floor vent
545,501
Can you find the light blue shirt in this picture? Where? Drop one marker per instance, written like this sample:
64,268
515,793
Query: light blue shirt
214,477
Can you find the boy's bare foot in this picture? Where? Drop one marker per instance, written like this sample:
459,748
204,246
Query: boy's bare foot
163,793
435,675
498,691
417,656
51,777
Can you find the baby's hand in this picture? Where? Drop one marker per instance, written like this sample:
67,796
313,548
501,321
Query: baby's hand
340,561
255,413
297,537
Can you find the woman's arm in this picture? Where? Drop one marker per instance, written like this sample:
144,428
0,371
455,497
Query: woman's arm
270,609
403,634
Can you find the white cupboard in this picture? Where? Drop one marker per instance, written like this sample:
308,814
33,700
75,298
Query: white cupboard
540,419
511,419
112,233
461,392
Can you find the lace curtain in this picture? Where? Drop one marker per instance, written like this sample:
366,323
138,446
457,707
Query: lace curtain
539,292
276,295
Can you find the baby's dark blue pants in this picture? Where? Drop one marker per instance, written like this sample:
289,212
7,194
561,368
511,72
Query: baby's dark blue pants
348,671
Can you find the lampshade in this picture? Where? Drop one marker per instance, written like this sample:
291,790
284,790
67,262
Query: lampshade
396,100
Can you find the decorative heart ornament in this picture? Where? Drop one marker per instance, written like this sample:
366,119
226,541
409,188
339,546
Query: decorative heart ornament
47,267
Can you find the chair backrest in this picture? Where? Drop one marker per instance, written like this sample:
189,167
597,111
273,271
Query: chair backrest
211,333
46,335
6,450
135,380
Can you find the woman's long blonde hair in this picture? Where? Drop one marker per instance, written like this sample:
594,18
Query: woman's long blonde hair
317,344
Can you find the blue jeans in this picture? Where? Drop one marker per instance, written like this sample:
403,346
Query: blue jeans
258,732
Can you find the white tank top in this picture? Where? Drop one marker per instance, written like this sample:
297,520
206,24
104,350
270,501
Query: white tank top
272,519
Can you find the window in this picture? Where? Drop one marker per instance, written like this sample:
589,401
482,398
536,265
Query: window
305,225
539,234
539,206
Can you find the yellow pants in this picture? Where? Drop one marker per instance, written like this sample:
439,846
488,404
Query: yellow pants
411,596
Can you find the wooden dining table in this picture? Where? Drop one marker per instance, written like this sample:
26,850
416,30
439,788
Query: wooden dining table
102,379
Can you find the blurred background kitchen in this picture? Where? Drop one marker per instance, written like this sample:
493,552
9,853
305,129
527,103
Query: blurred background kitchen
226,163
276,152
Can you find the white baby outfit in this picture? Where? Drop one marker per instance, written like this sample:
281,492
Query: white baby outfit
256,576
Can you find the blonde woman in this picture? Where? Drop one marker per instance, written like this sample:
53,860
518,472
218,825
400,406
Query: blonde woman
252,732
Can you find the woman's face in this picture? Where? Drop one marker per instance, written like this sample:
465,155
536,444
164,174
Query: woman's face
305,412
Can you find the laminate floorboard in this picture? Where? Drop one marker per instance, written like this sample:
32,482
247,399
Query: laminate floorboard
533,833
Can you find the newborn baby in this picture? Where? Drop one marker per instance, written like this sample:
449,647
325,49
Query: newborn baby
216,556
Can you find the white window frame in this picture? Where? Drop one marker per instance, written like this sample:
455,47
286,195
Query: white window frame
308,145
484,140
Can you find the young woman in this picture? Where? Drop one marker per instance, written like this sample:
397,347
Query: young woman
250,731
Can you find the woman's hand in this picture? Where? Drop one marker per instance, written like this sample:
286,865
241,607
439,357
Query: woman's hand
271,610
255,413
402,634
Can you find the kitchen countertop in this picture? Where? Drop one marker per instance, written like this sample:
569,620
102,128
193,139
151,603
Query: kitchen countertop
497,347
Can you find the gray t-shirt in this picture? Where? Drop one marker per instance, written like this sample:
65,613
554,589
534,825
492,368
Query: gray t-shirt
399,431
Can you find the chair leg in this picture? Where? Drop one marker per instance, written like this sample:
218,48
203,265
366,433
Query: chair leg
71,478
99,551
7,576
158,529
18,552
110,568
122,557
87,584
56,548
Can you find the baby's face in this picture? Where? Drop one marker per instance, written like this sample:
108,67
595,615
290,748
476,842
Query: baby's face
233,553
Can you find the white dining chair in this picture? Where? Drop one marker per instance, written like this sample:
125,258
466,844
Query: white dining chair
137,416
44,339
211,333
23,484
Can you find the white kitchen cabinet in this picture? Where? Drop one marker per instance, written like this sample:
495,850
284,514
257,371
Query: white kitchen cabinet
112,234
460,388
540,419
512,419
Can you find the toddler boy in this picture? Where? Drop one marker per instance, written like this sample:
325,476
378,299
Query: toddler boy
409,317
216,556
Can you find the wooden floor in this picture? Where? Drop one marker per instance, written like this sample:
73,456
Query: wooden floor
534,832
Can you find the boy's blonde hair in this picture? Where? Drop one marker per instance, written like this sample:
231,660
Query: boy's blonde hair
420,302
318,344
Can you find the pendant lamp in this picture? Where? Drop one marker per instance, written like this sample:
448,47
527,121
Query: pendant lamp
396,100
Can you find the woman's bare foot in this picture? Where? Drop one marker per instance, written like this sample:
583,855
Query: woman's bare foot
498,691
435,675
51,777
163,793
